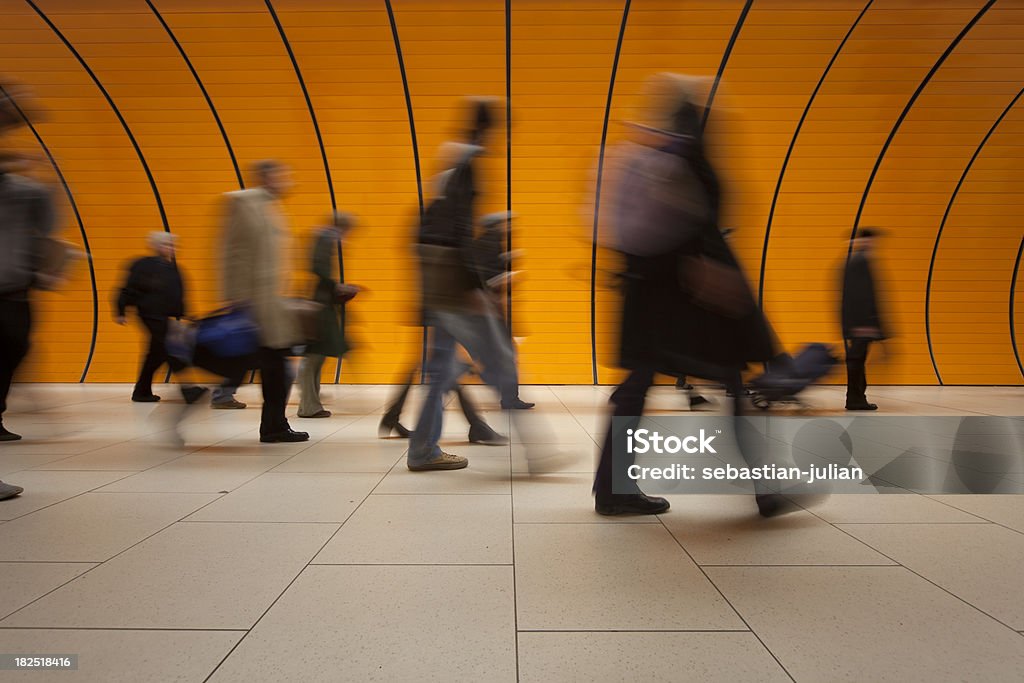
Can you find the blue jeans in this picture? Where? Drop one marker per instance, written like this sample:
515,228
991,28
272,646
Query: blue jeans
487,343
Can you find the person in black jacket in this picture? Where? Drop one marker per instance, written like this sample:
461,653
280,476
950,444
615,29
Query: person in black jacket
861,320
155,289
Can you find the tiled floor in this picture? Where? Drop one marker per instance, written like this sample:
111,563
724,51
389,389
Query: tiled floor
228,560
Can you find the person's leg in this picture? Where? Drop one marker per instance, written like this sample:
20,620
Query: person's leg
628,402
15,326
155,356
309,384
856,379
224,395
275,391
423,446
614,492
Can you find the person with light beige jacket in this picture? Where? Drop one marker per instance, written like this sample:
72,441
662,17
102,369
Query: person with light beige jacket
255,277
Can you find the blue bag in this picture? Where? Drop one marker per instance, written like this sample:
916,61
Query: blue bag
229,334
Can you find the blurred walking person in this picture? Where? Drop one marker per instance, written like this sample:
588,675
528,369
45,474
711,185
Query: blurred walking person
456,306
27,217
861,319
255,241
331,293
154,288
687,309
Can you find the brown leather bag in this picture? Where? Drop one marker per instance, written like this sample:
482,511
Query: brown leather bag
305,313
716,286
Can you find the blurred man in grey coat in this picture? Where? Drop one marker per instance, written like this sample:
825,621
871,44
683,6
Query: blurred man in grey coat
255,238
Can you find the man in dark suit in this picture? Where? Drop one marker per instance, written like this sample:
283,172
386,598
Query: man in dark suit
861,320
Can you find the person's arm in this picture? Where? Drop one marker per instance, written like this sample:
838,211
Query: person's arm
129,294
461,187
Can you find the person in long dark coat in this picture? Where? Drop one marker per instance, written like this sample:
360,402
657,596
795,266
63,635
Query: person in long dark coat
665,326
861,318
331,294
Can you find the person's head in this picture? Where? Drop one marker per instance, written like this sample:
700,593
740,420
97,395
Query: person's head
273,176
864,239
341,222
162,244
675,103
482,117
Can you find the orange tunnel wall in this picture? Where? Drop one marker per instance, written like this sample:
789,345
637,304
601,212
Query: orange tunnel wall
900,114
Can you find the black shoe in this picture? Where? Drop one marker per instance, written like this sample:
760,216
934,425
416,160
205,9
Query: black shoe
861,406
684,386
8,436
698,400
193,394
287,436
517,404
138,398
632,504
390,424
773,505
483,434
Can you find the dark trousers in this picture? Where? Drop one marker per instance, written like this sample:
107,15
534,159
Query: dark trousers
156,355
15,324
628,402
856,377
276,381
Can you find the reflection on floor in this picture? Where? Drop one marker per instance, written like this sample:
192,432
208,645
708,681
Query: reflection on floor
329,561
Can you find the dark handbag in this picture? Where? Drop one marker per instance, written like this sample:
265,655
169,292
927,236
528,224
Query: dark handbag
229,333
716,286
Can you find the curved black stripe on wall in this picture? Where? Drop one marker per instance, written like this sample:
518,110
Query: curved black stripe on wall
117,112
81,229
906,110
597,193
415,144
320,142
725,59
942,225
792,145
202,88
508,157
1013,295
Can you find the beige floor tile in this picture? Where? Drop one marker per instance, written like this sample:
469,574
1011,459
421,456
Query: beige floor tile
728,530
274,497
1007,510
669,657
562,497
869,624
581,456
884,508
384,623
125,457
15,462
435,529
94,527
192,575
979,563
344,456
612,577
484,475
198,473
43,489
124,656
26,581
